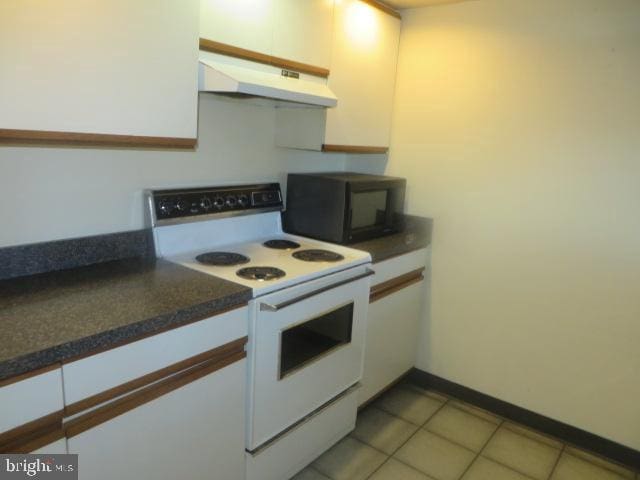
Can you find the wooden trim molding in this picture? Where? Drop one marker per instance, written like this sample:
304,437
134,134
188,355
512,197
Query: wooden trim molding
384,7
329,148
76,139
198,367
212,46
33,435
112,393
396,284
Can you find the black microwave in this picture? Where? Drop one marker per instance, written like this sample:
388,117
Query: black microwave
343,207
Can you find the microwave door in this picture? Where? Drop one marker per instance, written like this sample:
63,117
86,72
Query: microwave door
371,211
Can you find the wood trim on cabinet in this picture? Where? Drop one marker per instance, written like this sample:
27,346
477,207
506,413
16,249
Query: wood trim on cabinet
77,139
384,7
237,52
353,149
144,395
384,289
27,375
33,435
135,384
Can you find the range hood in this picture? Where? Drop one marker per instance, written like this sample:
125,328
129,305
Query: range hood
271,83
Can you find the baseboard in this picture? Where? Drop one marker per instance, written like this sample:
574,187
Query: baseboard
566,433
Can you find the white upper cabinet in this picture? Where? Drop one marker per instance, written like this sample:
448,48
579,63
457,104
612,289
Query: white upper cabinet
297,31
302,31
101,67
245,24
363,71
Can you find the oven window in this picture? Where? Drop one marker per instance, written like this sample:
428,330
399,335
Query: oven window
368,209
303,343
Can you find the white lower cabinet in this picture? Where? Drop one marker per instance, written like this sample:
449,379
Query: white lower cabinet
391,339
31,413
393,322
54,448
194,432
165,407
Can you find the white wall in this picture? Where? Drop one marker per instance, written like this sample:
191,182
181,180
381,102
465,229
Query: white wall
517,123
53,193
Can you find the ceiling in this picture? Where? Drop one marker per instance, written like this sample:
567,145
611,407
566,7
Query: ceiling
417,3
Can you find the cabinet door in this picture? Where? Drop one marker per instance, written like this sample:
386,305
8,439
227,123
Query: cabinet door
194,432
363,72
112,67
246,24
302,31
392,333
54,448
31,413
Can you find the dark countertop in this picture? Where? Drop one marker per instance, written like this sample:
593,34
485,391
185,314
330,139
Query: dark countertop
415,234
56,316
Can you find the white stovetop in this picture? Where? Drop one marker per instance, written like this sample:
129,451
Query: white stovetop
245,235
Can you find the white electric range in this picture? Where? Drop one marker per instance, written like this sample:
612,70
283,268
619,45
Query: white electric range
306,319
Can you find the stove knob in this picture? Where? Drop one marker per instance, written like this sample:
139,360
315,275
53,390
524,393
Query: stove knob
243,200
205,203
218,202
231,201
181,205
165,207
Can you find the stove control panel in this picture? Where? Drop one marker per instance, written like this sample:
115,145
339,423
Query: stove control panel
175,206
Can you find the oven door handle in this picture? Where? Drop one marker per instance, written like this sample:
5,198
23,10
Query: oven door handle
267,307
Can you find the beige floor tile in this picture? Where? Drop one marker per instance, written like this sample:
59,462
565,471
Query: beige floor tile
310,474
349,459
527,432
425,391
485,469
522,453
382,430
435,456
476,411
395,470
461,427
614,467
574,468
409,405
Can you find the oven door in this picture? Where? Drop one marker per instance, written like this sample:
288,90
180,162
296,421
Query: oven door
306,347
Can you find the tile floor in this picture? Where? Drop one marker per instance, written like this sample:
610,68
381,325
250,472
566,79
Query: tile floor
413,434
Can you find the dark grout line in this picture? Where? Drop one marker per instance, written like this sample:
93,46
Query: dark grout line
419,425
502,425
436,434
406,441
480,451
555,465
379,467
433,414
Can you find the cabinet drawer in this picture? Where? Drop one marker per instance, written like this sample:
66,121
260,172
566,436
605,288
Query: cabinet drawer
194,432
306,441
31,411
92,380
397,266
